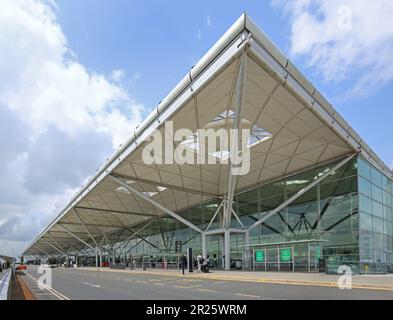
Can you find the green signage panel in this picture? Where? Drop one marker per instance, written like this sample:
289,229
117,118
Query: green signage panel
318,252
285,255
259,256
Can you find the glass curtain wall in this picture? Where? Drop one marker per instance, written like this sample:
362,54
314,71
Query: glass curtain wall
376,218
327,212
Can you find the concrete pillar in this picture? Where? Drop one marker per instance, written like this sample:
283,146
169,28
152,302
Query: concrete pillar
100,258
227,249
96,257
113,256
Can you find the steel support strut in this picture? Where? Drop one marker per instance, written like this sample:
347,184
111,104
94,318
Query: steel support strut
156,204
54,247
136,233
75,236
85,227
301,192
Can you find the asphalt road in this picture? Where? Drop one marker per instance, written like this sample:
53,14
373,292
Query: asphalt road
83,284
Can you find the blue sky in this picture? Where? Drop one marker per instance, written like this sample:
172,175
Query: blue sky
158,41
76,77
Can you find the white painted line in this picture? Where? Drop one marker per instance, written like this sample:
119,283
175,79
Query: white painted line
187,287
207,290
247,295
92,285
141,281
57,294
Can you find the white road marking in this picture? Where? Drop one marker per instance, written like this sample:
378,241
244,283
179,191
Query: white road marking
187,287
247,295
56,293
207,290
141,281
92,285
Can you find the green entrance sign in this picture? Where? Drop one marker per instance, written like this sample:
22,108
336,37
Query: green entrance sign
259,256
318,252
285,255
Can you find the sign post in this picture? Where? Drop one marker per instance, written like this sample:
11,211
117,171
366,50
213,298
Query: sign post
178,246
189,262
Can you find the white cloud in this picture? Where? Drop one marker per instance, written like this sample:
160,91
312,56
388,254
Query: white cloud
117,75
356,47
137,76
46,86
208,20
199,34
59,121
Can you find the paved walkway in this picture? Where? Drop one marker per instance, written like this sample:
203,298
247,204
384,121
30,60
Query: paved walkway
26,287
381,282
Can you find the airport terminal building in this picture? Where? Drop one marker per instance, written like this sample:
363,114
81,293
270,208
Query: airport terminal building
314,192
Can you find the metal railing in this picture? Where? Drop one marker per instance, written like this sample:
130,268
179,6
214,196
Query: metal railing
359,267
154,265
5,285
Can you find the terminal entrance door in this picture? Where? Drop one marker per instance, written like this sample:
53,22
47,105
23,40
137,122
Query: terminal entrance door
302,256
215,251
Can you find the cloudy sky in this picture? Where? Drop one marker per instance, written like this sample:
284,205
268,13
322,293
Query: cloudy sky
76,77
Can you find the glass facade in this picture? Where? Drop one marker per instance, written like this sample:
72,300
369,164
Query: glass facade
376,220
350,211
327,212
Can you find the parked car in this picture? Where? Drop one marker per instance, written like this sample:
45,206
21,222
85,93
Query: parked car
21,267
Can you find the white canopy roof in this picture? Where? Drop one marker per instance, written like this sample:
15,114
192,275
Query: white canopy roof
300,129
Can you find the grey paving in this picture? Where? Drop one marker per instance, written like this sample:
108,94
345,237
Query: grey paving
83,284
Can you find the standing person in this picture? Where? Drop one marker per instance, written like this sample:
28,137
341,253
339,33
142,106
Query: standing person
199,262
183,262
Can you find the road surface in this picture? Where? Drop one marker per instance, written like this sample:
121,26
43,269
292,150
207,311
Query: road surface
75,283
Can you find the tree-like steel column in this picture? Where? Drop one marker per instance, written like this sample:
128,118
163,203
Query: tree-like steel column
232,179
